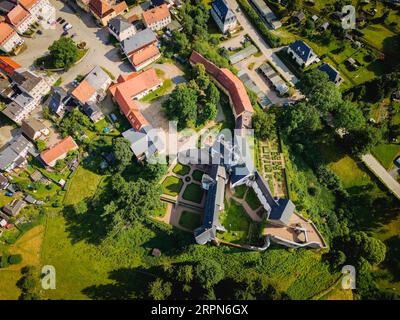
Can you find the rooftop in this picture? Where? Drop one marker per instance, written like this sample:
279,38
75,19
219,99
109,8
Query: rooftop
17,15
5,32
61,148
83,92
139,40
156,14
147,53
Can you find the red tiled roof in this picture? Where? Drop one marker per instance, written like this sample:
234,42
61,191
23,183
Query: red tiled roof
6,32
156,14
8,65
17,15
58,150
142,56
128,87
120,7
100,7
83,92
27,4
229,81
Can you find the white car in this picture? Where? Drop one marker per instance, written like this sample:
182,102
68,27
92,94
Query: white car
67,26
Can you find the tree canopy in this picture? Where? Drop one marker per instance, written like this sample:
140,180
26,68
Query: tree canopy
64,53
122,152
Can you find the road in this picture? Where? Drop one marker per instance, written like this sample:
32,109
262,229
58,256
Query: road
264,47
382,174
96,38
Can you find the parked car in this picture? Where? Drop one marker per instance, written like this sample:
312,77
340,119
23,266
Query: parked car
67,26
62,21
39,32
9,194
59,19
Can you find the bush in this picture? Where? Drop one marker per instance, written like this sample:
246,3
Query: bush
15,259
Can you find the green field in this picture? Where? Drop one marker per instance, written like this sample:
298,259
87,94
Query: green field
172,186
181,169
197,175
386,154
82,186
190,220
240,191
236,222
193,192
252,200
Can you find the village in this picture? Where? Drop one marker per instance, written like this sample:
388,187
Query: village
88,86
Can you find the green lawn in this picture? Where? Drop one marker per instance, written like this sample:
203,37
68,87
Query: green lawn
81,186
240,191
172,186
197,175
252,200
193,192
386,154
158,93
236,221
190,220
181,169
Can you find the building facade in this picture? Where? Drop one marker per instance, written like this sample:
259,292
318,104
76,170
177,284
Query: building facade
223,16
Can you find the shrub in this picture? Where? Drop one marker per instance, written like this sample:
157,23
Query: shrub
15,259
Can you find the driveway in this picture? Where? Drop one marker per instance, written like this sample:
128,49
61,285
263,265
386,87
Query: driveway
96,38
382,174
264,47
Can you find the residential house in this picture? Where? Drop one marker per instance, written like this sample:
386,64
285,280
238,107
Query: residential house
121,28
20,19
298,16
332,73
93,111
3,182
34,129
58,151
104,11
157,18
8,66
14,154
223,16
141,49
59,101
14,207
267,14
9,39
302,53
231,85
21,106
40,9
30,83
93,88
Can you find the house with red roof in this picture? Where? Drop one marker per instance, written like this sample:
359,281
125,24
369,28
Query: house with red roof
104,11
20,19
8,66
58,151
9,39
157,18
232,86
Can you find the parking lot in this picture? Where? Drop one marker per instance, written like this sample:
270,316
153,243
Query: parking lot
86,30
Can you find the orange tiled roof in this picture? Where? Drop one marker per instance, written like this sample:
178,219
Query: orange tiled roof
156,14
17,15
6,32
6,64
58,150
83,92
129,86
147,53
229,81
27,4
100,7
120,7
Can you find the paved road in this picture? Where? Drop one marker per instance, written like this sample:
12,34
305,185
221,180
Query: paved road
264,47
381,172
101,53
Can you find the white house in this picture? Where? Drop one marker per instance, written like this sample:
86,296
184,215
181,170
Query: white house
157,18
9,39
302,53
223,16
121,28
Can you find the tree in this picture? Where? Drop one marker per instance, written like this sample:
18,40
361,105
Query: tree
207,113
122,152
300,119
361,141
159,289
181,42
209,273
320,92
184,274
348,116
64,53
212,94
264,125
182,106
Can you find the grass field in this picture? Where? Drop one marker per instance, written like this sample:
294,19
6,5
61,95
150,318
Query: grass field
158,93
236,221
240,191
386,154
172,186
190,220
197,175
181,169
29,245
82,185
252,200
193,192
